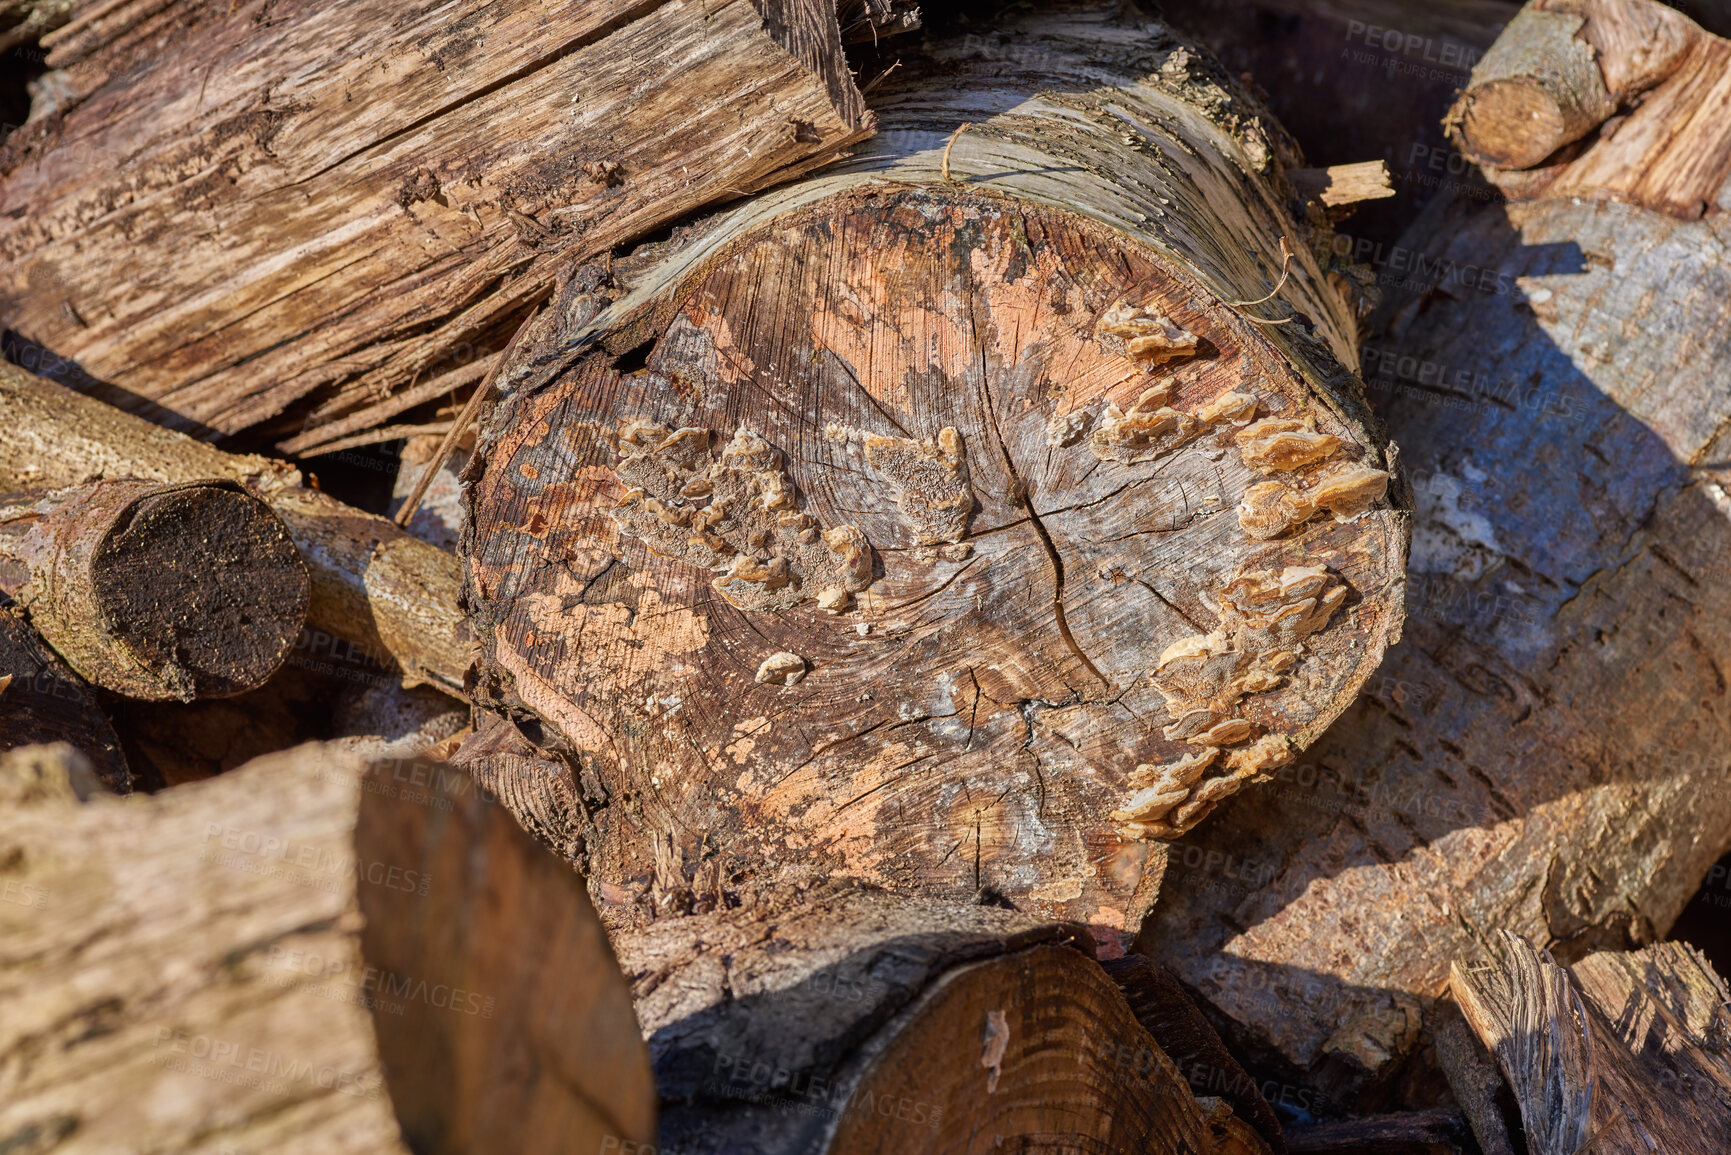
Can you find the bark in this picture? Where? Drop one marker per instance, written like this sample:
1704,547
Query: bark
1621,1053
1161,1005
940,538
1433,1132
1546,750
393,184
303,956
157,591
389,593
845,1020
1565,67
42,701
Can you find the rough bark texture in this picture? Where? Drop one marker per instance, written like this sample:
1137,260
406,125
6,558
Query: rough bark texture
1623,1053
1546,750
157,591
372,584
228,210
42,701
845,1020
1166,1012
1671,151
954,535
189,972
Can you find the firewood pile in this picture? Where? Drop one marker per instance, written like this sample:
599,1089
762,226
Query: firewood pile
823,576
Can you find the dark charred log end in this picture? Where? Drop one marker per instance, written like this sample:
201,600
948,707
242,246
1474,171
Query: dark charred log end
204,585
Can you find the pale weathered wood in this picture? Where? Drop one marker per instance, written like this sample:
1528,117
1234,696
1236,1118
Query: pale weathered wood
42,701
1343,184
1040,630
846,1020
162,591
1622,1054
1670,147
372,584
235,209
1545,752
303,955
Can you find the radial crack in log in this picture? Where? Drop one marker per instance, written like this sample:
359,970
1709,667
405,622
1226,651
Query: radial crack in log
915,353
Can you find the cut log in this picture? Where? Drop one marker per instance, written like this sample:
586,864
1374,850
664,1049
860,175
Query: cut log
393,184
1546,750
955,534
299,956
372,584
42,701
1565,68
157,591
844,1020
1621,1054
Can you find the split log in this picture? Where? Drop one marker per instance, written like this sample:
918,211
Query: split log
300,956
955,534
395,185
1651,83
845,1020
1622,1053
1545,751
42,701
157,591
372,584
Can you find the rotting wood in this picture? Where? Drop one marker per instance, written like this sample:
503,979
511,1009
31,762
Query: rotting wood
395,184
372,584
1545,751
843,1019
303,955
1067,547
159,591
42,701
1621,1054
1655,86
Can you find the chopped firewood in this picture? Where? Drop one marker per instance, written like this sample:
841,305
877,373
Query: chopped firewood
160,591
1070,527
305,954
372,584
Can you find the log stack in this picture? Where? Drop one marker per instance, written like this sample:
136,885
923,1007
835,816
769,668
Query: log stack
801,577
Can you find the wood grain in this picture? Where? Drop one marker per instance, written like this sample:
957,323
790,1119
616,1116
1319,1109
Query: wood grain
230,210
1545,751
1046,425
305,955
